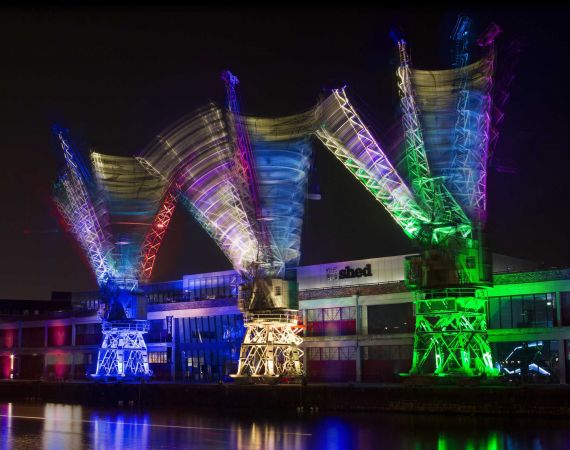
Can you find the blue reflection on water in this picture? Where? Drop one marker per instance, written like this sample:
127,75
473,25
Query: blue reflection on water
335,434
119,430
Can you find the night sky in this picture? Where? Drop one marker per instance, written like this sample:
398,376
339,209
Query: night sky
116,77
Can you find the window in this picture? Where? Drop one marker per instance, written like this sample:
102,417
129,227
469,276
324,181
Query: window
329,353
533,360
494,313
277,290
523,311
565,308
316,315
395,318
157,357
348,313
332,353
347,353
387,352
507,314
338,321
330,314
314,353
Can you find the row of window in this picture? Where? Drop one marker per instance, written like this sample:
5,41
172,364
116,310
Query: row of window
523,311
331,353
374,352
387,352
200,330
218,286
210,364
331,314
158,357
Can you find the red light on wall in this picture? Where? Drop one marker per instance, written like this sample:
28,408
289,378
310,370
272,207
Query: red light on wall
59,364
8,337
59,335
5,366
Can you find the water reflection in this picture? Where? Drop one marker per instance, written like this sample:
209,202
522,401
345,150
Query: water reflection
5,422
119,431
62,427
58,426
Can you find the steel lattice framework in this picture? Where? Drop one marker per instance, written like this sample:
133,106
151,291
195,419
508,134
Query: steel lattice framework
423,183
467,174
119,214
446,121
197,151
79,214
444,211
247,178
157,232
270,347
451,328
343,132
244,180
123,351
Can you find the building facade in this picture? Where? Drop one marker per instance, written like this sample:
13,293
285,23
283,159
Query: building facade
358,317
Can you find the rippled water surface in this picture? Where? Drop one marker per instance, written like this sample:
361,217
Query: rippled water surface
58,426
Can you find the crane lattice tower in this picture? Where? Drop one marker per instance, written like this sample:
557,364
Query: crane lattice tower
118,214
440,203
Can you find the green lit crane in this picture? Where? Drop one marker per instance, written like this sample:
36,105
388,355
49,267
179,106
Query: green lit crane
440,203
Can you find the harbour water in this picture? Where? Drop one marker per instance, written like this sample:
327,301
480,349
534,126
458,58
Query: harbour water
63,426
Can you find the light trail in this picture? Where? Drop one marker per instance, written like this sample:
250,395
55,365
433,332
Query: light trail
12,416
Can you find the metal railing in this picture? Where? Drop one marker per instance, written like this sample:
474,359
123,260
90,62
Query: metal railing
131,325
289,316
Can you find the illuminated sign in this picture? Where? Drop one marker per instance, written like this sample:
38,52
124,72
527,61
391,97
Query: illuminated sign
349,272
387,269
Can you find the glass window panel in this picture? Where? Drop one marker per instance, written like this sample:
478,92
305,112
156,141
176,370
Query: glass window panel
494,313
348,313
314,315
314,353
529,311
219,327
344,353
394,318
507,315
540,312
211,328
330,314
330,353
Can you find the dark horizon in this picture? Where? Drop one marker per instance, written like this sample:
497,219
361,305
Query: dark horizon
116,77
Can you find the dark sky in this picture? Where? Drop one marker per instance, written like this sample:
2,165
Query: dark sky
115,77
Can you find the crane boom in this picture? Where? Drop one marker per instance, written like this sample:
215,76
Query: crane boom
422,182
467,173
344,134
247,167
82,217
432,193
158,229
